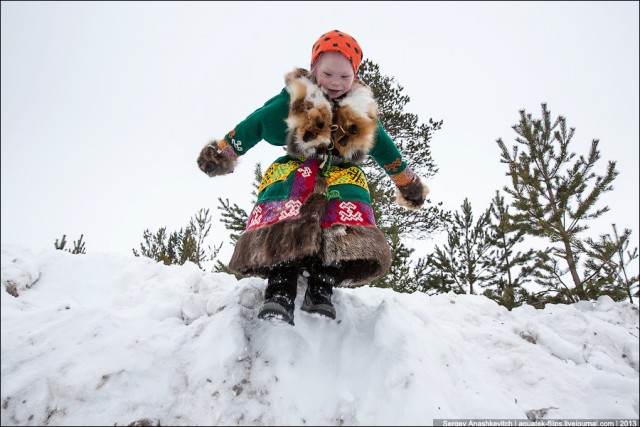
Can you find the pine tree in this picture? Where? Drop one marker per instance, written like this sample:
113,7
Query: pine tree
463,258
200,227
413,141
400,270
235,218
78,245
507,269
606,266
430,279
552,202
181,246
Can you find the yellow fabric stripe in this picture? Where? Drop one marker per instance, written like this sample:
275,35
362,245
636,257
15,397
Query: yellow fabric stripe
278,172
352,175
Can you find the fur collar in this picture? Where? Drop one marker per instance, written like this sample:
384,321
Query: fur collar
346,126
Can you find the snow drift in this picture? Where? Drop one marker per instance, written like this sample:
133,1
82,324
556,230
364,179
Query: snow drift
104,339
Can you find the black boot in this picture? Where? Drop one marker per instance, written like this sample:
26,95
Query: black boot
280,296
317,299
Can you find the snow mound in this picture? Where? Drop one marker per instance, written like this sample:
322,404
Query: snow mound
102,339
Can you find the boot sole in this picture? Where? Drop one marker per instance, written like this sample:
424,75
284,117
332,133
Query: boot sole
325,310
274,311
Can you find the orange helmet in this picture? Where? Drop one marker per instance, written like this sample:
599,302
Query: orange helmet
338,41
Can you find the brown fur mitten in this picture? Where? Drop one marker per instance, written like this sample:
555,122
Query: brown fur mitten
412,196
212,162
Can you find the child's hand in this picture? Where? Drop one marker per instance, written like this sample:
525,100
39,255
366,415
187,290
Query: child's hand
412,196
212,162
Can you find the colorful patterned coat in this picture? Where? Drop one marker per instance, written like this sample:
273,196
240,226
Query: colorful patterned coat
314,203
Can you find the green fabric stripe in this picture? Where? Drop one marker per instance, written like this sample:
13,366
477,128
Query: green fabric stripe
351,192
281,190
277,191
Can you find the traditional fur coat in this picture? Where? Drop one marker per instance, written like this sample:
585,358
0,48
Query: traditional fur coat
314,203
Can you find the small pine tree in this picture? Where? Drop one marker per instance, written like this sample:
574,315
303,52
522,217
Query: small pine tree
430,279
62,243
78,245
398,277
235,218
507,269
181,246
551,201
463,258
606,266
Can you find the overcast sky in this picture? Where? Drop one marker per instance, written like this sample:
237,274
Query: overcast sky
105,106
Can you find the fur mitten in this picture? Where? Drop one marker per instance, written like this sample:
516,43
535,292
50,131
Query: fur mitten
412,196
212,162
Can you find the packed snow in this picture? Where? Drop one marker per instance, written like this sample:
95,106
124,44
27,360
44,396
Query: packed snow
105,339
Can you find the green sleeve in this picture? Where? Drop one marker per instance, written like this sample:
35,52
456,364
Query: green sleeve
266,123
387,155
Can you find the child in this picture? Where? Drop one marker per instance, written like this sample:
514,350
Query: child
313,215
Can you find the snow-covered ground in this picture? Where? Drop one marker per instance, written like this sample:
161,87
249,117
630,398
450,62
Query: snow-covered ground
104,339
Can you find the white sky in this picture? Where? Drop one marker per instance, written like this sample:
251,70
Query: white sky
105,106
107,339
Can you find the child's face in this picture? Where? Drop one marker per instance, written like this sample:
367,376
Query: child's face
334,73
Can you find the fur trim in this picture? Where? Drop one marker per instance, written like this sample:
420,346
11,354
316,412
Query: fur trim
309,120
212,161
356,124
258,251
314,125
362,253
413,195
